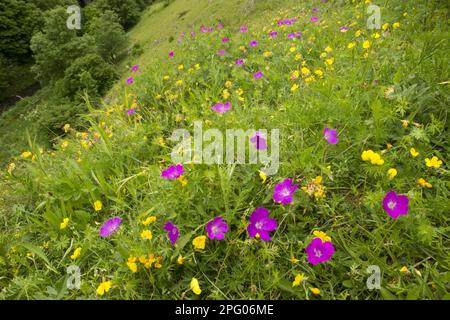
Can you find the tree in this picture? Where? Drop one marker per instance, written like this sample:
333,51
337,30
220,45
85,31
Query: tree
110,38
128,11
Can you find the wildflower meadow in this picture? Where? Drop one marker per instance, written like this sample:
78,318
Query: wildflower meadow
269,149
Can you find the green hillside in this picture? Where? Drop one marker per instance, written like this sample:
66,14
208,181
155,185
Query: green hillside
105,196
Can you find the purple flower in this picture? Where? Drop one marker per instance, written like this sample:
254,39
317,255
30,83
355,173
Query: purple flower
219,26
205,29
221,107
259,140
131,111
243,29
295,35
315,10
135,68
225,40
330,135
319,251
221,52
173,172
253,43
261,224
171,54
193,34
258,75
130,80
216,228
273,34
110,226
395,205
283,191
239,62
343,29
172,232
314,19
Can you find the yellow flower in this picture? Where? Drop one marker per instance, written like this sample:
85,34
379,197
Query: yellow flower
329,61
143,259
404,269
357,33
225,94
405,123
98,205
149,220
376,35
433,162
298,56
373,157
323,55
195,287
319,73
396,25
64,224
228,84
294,260
385,26
26,154
295,74
104,287
392,172
267,54
181,259
315,291
131,263
298,280
158,264
166,78
199,242
66,128
11,167
179,83
328,49
295,87
423,183
413,152
351,45
309,79
305,71
263,176
76,253
183,180
64,144
146,235
366,44
197,66
180,67
322,235
292,49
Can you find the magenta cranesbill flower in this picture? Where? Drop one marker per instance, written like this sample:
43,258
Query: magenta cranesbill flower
220,26
259,140
319,251
330,135
221,107
273,34
243,29
239,62
110,226
172,232
295,35
135,68
173,172
131,111
225,40
216,228
130,80
395,204
314,19
253,43
258,75
221,52
171,54
284,191
261,224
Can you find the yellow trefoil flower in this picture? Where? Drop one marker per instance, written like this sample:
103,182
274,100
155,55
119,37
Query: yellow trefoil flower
195,287
366,44
76,253
413,152
433,162
315,291
392,172
149,220
322,235
98,205
64,224
180,259
423,183
131,263
199,242
298,280
104,287
146,235
263,176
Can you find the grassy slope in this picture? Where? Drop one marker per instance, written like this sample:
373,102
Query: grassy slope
123,169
